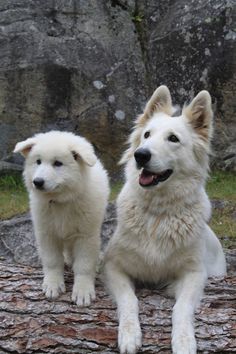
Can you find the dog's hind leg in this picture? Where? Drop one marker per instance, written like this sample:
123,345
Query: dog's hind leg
121,287
188,291
215,259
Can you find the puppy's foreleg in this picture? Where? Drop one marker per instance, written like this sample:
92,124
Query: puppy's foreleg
188,292
121,287
50,250
85,258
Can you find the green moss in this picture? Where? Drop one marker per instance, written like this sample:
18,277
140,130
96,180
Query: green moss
137,18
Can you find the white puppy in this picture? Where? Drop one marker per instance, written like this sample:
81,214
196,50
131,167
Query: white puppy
162,234
68,189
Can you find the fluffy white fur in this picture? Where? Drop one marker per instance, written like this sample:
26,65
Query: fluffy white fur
162,234
68,211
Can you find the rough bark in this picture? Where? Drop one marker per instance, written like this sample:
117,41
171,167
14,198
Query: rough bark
29,323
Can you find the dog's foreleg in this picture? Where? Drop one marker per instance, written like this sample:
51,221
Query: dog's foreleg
121,287
85,258
188,292
50,250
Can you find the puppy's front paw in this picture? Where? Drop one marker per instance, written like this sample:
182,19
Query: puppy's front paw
83,291
184,343
129,337
53,285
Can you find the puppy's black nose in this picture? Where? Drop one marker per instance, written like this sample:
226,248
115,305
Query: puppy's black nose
38,182
142,156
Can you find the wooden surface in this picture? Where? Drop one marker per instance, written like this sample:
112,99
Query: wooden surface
29,323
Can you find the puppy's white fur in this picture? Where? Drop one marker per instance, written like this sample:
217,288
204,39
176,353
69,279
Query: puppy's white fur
162,234
68,212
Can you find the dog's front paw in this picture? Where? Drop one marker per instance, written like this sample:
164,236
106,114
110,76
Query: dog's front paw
83,291
129,337
53,285
184,343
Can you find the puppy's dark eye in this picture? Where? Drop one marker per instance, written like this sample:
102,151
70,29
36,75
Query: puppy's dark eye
146,134
38,162
173,138
57,163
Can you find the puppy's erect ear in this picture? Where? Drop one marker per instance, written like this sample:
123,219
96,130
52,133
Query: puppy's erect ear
25,146
199,114
159,102
84,151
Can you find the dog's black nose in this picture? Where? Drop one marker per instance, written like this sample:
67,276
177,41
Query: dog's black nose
38,182
142,156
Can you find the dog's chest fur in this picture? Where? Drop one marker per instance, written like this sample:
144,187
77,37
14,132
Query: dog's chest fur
63,220
157,241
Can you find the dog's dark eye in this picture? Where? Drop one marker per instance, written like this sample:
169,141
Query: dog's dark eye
57,163
38,162
173,138
146,134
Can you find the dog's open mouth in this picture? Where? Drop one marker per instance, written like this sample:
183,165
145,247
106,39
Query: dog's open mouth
147,178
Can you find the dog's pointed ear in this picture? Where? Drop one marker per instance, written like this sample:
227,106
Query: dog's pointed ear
25,146
199,114
84,151
159,102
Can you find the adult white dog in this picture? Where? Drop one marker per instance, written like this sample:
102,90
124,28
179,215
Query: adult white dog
162,234
68,189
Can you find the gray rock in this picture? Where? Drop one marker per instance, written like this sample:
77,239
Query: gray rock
72,65
8,167
190,46
219,204
17,243
60,62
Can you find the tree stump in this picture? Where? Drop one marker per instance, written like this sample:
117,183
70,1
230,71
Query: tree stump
29,323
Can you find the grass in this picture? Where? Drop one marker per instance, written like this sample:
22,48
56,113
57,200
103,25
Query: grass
13,196
223,222
221,187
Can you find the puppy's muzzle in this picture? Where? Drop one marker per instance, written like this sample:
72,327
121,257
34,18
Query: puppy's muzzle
39,183
142,156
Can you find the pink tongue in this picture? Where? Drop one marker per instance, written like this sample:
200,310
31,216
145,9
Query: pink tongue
145,179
